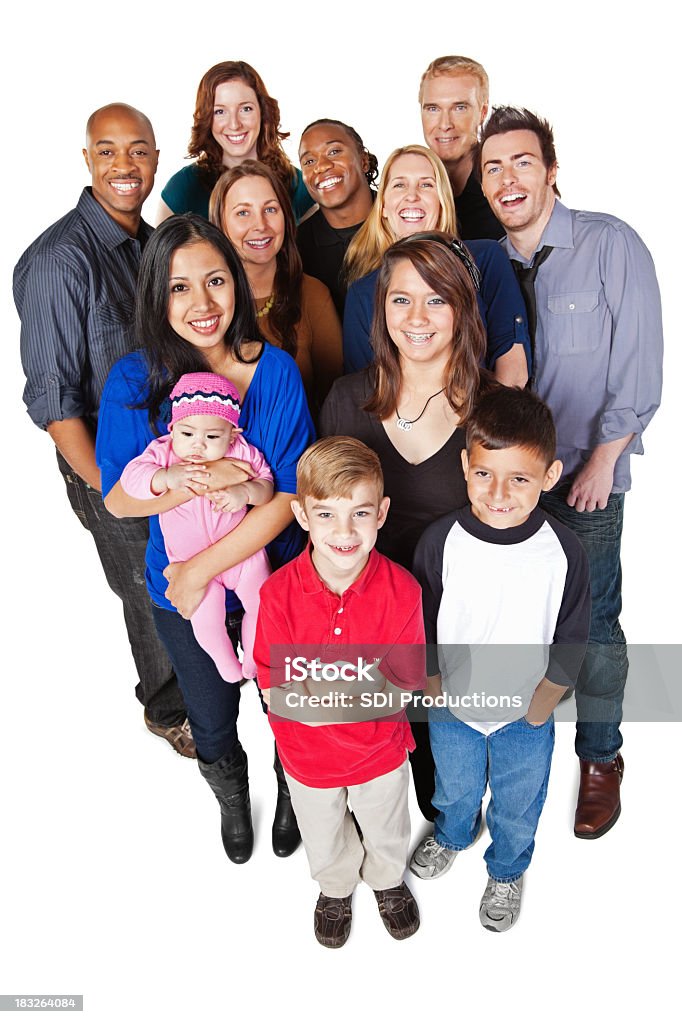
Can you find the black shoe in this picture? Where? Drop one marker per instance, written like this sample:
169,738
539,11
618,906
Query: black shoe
229,780
285,834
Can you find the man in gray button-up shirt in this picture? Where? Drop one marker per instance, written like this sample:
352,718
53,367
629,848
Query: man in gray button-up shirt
598,355
74,289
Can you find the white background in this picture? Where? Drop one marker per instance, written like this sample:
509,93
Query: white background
114,883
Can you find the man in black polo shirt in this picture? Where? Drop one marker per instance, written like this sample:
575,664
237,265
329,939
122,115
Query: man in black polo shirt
453,97
74,289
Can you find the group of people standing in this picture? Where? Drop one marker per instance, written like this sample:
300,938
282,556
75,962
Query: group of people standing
281,303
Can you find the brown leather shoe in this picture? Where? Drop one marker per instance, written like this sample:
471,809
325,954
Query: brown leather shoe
333,918
179,736
399,910
598,807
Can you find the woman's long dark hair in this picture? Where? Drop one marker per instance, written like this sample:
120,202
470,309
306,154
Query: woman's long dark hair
445,273
169,355
285,313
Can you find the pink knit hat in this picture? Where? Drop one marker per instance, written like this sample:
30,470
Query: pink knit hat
204,394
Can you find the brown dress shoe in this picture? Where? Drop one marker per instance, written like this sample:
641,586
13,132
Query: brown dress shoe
399,910
179,736
599,797
333,917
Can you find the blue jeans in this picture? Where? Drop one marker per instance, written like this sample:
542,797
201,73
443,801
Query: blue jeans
514,761
601,683
121,545
212,704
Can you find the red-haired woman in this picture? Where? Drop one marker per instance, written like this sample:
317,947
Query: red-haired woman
235,119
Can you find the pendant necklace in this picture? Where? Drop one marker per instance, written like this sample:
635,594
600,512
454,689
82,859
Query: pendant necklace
404,424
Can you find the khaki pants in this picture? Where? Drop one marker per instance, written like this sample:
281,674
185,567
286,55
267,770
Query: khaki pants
338,858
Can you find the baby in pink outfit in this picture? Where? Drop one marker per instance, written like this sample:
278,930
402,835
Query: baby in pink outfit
204,428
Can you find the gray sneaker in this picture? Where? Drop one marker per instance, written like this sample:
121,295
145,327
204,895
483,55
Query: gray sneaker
431,860
500,905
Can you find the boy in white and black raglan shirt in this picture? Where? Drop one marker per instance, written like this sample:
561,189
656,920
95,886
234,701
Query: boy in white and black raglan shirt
507,599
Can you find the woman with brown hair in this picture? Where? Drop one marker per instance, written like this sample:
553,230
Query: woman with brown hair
411,405
294,311
415,195
235,119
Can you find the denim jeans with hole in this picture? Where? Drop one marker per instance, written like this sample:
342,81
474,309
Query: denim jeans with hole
514,762
121,545
601,683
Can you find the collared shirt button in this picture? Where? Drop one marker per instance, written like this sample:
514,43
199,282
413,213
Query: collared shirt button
519,319
337,631
339,611
571,305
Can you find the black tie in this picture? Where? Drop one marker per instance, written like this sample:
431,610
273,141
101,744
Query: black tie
526,278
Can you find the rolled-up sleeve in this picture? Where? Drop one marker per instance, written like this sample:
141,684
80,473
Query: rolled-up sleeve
52,301
634,377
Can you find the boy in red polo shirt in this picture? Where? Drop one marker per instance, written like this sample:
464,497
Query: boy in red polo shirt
342,625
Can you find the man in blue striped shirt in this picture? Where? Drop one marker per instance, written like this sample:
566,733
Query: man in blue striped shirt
591,290
74,289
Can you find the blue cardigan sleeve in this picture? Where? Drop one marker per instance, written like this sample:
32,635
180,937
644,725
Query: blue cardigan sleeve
501,302
357,322
275,416
123,432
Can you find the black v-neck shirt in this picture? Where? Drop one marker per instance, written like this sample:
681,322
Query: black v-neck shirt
419,493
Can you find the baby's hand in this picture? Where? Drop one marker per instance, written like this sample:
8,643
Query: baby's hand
186,476
232,499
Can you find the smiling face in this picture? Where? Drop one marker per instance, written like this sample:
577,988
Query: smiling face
201,438
121,156
253,220
333,168
343,532
516,182
411,200
236,121
419,321
452,112
201,297
504,486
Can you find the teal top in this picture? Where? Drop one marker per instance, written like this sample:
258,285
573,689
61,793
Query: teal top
185,193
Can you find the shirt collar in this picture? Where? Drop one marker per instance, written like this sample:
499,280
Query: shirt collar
312,584
105,227
558,233
325,234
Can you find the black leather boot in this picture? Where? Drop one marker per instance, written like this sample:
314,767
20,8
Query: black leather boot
285,834
229,780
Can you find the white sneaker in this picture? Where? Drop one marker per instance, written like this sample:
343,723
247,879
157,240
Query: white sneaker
431,860
500,904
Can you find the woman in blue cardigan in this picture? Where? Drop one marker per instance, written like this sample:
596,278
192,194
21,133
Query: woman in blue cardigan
194,313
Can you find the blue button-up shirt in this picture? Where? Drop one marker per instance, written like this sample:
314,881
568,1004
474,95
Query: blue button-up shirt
599,336
74,289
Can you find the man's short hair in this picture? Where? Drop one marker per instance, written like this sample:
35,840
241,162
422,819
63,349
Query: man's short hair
457,66
519,119
512,417
332,467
